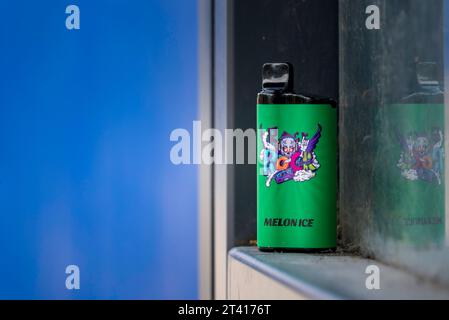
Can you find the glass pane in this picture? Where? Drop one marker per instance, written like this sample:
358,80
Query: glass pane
392,129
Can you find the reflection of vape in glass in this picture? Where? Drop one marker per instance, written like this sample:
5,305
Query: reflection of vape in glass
409,175
296,177
427,87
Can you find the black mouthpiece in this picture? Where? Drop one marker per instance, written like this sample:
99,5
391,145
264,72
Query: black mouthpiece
277,76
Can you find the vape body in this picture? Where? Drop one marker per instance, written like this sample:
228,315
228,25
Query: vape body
297,166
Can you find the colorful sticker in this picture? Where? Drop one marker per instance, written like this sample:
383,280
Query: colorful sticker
291,157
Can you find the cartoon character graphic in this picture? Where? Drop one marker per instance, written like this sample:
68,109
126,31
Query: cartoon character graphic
289,158
288,144
422,156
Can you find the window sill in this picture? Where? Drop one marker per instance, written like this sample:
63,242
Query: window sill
257,275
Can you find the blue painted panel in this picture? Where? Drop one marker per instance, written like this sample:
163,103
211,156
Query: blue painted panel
85,174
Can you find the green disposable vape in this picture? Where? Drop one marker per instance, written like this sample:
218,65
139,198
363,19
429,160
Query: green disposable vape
297,166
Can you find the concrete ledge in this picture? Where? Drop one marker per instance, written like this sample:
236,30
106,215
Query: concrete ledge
257,275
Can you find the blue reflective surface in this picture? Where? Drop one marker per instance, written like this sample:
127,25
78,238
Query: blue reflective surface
85,174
